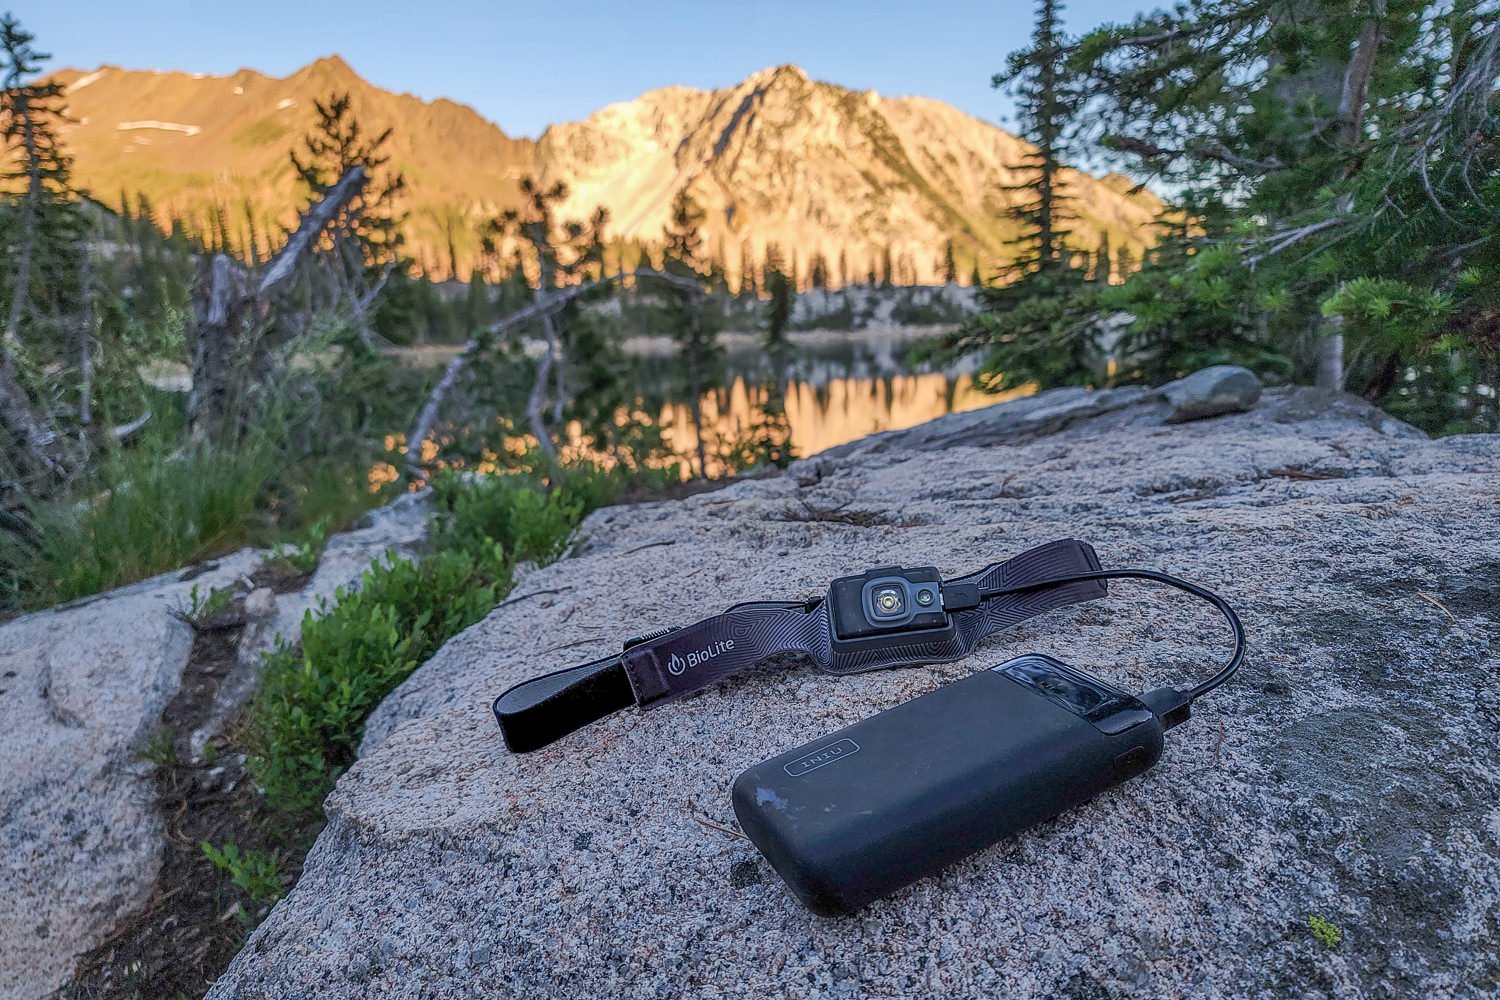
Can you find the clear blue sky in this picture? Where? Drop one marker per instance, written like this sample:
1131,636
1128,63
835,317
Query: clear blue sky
525,65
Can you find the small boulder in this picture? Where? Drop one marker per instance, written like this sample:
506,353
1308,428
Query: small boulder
260,603
1211,392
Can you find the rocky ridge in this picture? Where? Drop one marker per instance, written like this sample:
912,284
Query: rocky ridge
1345,782
777,158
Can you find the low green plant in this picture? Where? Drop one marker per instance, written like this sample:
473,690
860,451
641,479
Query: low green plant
256,872
309,713
303,556
202,606
313,701
527,521
160,748
1328,933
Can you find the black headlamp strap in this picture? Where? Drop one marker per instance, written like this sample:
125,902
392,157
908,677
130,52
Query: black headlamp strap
544,709
667,665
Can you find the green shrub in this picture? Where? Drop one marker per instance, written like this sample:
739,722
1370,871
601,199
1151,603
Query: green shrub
514,512
256,872
310,711
309,714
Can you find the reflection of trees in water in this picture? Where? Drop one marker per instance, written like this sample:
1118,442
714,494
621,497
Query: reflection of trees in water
819,417
836,393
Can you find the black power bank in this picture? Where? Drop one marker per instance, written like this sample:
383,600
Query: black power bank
872,808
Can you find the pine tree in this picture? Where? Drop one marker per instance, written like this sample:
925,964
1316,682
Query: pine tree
1038,326
1331,149
42,235
682,255
818,277
778,313
949,270
365,242
1045,104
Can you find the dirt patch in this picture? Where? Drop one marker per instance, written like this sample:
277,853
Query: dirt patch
196,919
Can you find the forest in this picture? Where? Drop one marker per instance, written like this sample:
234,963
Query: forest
1331,176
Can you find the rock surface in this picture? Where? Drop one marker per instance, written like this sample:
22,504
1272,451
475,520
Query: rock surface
1211,392
1348,773
81,689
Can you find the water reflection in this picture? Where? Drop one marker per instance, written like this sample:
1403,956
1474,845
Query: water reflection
821,416
841,387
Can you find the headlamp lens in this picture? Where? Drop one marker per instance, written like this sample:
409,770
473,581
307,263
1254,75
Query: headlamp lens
890,602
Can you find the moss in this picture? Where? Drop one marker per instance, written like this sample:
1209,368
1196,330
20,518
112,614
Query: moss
1328,933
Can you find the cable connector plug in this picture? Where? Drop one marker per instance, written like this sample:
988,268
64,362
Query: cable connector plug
960,596
1169,705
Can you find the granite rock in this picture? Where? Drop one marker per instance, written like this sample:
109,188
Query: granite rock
1348,773
1211,392
81,688
399,527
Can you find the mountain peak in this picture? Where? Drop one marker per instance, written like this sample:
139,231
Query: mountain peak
332,62
785,73
329,69
847,185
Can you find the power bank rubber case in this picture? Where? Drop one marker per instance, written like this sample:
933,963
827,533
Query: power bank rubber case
860,813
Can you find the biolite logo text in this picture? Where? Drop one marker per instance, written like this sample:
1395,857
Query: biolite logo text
676,664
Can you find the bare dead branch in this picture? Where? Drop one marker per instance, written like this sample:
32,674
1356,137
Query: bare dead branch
279,271
1293,237
555,300
125,433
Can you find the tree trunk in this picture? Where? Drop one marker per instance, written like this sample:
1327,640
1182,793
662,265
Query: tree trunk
695,382
86,345
26,253
232,361
43,452
1331,356
539,393
220,298
1351,115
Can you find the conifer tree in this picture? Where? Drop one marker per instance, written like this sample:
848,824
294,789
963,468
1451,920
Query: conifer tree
682,255
1340,164
365,241
949,272
42,236
1037,324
